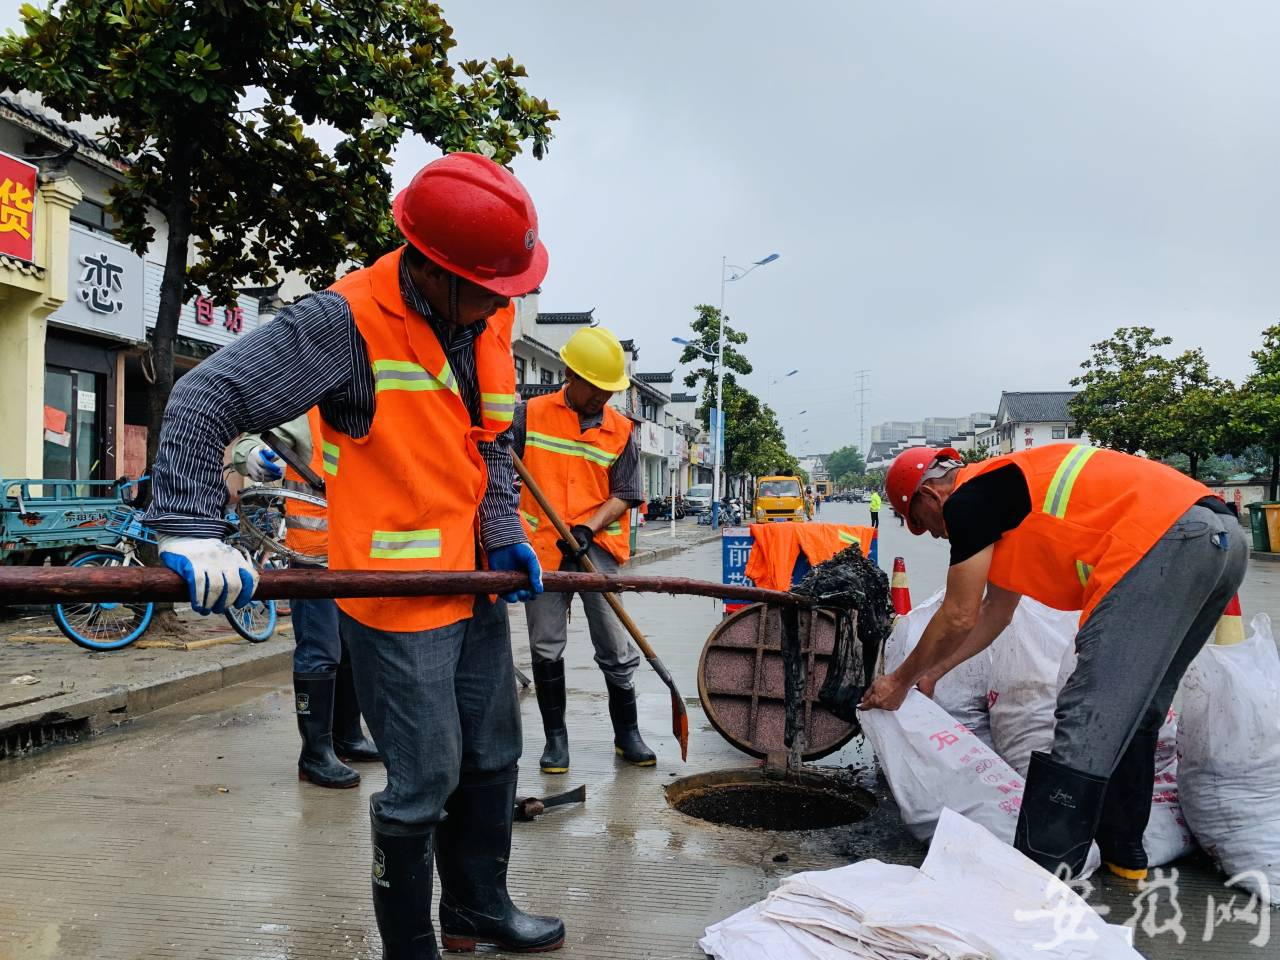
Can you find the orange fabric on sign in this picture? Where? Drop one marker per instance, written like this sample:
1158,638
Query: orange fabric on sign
572,468
315,542
1094,514
777,546
406,496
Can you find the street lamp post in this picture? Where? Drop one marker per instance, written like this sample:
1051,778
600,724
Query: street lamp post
718,432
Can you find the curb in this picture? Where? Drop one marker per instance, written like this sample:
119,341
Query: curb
1264,555
662,553
70,718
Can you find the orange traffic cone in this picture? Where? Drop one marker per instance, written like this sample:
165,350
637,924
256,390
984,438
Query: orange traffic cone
899,592
1230,629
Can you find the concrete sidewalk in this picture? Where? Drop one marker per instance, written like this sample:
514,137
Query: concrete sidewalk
82,692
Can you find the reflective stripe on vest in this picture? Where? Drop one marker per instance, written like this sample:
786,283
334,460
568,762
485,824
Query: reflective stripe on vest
498,406
294,522
570,448
330,460
1059,492
849,538
405,544
530,519
614,529
1083,570
407,375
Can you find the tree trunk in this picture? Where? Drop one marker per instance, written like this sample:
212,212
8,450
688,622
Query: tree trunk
177,214
1275,474
1193,465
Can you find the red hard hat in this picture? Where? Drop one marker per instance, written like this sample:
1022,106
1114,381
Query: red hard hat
475,219
904,477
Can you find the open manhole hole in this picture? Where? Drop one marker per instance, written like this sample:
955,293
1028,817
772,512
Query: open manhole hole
748,798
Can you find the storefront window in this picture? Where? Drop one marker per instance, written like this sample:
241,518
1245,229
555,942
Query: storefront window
72,424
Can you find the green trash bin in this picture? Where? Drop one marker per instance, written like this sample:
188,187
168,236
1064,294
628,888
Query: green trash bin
1258,526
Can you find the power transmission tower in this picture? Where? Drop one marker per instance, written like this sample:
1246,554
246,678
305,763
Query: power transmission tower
860,391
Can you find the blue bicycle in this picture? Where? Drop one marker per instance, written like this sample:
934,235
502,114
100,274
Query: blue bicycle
112,626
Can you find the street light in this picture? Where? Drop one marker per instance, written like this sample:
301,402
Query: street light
718,432
774,381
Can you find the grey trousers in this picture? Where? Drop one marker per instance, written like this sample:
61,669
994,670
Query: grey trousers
548,616
1142,636
441,704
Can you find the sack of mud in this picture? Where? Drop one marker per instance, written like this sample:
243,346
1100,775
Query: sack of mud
1229,757
932,762
963,691
1167,836
1030,662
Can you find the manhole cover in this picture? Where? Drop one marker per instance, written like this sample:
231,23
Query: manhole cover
748,798
740,682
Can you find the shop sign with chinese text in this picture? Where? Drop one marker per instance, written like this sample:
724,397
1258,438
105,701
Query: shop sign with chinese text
202,319
104,287
17,208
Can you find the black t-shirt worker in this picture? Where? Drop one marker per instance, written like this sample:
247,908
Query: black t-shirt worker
1147,554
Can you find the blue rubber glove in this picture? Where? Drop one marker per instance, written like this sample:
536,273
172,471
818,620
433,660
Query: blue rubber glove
519,557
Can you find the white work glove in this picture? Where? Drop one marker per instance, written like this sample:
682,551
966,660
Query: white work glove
218,575
261,465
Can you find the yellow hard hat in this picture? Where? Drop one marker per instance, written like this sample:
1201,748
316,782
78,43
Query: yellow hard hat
595,354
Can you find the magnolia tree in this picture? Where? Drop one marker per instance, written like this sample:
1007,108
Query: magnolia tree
217,107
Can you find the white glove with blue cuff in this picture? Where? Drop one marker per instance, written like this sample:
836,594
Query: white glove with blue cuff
218,575
262,465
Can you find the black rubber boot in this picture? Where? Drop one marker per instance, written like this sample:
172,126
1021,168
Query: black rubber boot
548,679
1127,808
627,742
313,700
402,894
349,740
1060,809
473,845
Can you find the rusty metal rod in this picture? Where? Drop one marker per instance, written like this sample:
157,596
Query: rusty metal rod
152,584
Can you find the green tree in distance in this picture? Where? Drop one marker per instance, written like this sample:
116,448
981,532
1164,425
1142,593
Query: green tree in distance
701,353
847,462
1126,389
210,104
1255,419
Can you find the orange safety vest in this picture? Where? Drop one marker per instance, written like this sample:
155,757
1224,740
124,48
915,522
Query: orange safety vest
571,467
306,527
405,496
1094,514
775,547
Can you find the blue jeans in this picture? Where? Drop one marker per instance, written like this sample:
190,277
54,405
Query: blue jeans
317,646
439,703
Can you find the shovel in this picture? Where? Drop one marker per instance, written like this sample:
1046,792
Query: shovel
679,717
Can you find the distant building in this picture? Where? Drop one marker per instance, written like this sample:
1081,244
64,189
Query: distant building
1028,419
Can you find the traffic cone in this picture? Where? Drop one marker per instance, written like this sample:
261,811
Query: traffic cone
899,592
1230,629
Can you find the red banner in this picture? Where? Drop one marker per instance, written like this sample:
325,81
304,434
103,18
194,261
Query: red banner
17,208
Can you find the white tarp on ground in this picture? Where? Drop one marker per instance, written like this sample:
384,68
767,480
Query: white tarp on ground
973,897
1229,757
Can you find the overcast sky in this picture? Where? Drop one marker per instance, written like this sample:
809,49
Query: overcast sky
964,195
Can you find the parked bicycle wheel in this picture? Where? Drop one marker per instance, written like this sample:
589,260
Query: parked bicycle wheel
255,621
102,626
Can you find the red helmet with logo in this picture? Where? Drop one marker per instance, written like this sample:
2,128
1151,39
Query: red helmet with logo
475,219
904,478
